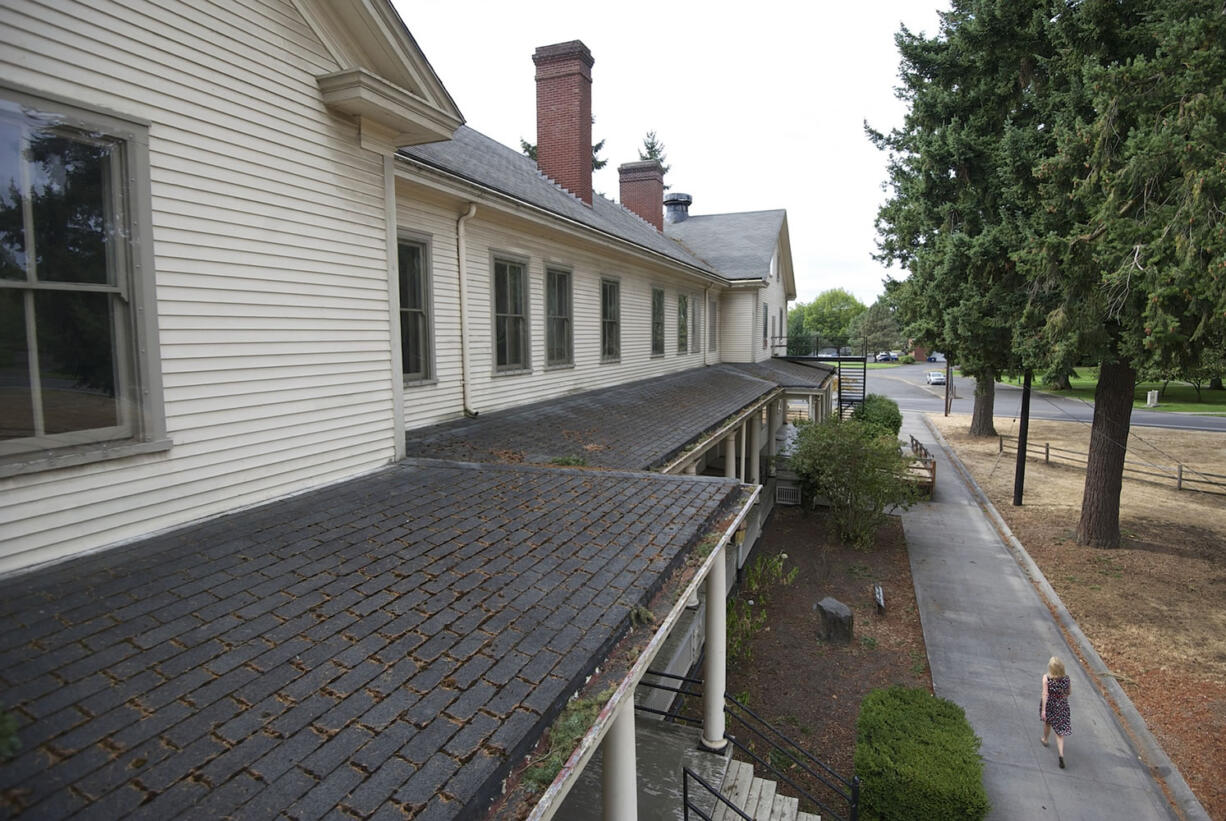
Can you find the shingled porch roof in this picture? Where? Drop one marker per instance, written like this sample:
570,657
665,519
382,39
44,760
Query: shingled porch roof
634,426
390,644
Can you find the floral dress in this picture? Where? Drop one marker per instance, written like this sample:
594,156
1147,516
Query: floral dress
1057,706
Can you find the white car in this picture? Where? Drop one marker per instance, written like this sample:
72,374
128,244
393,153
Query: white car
935,377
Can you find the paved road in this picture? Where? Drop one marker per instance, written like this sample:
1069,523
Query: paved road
905,385
989,635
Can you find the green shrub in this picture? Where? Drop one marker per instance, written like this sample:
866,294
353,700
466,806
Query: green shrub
857,470
881,412
917,758
906,359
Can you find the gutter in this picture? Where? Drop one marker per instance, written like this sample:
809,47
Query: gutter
551,801
704,445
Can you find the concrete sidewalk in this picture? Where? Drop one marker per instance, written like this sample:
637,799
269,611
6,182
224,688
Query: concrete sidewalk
989,635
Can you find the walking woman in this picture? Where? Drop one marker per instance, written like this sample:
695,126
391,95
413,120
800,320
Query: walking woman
1053,707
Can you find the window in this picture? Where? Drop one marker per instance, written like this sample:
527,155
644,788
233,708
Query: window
610,320
712,325
657,321
75,273
765,312
510,316
683,323
557,318
414,312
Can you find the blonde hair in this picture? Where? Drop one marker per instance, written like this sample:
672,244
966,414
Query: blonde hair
1055,667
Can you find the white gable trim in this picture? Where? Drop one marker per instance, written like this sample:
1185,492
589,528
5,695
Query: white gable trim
384,77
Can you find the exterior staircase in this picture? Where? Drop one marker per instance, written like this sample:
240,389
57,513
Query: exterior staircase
853,377
756,797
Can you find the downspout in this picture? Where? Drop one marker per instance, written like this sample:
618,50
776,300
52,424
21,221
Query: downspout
462,268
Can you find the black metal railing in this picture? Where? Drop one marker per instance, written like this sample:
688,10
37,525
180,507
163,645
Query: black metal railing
781,750
690,805
819,347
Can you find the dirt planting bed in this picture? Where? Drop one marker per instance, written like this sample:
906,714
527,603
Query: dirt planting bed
811,689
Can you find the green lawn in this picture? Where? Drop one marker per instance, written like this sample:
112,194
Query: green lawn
1179,397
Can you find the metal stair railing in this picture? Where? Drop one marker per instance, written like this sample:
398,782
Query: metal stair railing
687,805
761,730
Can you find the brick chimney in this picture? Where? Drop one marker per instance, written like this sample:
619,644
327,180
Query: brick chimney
642,190
564,116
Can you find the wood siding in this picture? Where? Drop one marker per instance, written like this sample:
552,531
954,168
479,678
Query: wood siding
269,244
492,233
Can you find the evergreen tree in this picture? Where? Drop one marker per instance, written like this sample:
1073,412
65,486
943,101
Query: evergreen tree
1130,242
951,218
653,149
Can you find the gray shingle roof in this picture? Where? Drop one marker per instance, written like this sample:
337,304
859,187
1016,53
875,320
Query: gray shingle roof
788,374
739,246
475,157
390,644
634,426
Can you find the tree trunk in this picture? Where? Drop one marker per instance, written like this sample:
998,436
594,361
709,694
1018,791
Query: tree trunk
985,404
1100,501
1060,383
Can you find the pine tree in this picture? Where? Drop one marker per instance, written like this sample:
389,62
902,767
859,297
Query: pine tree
653,149
1131,240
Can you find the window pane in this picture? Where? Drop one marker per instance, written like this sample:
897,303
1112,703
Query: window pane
411,290
12,220
76,360
515,346
515,288
16,402
70,196
412,343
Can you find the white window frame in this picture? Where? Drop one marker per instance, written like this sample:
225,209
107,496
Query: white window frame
612,323
133,300
426,376
657,323
523,319
683,323
552,317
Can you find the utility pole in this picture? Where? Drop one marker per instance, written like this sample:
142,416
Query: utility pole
1019,472
949,384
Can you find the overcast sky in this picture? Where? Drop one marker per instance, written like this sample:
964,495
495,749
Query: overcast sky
759,105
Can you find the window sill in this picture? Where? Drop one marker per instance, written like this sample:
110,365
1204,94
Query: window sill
561,366
657,356
418,383
610,361
83,455
515,372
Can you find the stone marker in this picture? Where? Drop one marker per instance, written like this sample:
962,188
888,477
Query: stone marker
836,620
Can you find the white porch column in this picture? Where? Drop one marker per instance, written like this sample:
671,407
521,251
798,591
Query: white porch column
772,429
755,448
691,469
730,455
619,780
715,670
744,474
813,409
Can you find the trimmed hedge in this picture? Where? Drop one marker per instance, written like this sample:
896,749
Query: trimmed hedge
880,412
918,758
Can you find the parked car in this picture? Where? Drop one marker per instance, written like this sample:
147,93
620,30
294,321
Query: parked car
935,377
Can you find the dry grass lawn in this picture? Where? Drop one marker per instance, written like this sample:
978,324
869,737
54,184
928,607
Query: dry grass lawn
1156,608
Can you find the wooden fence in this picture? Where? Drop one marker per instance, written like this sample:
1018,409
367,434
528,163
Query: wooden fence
1184,477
